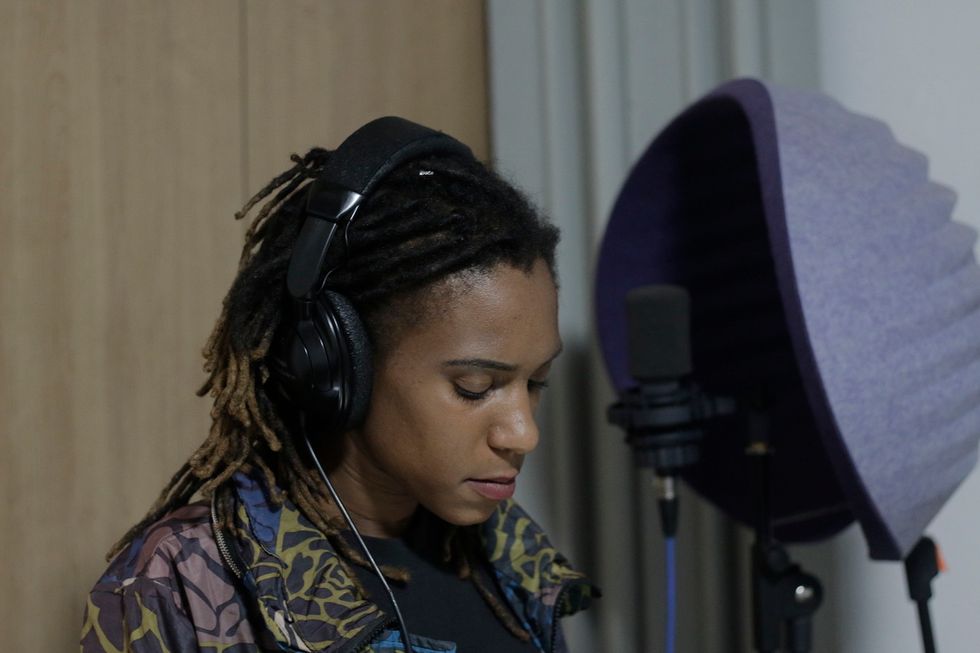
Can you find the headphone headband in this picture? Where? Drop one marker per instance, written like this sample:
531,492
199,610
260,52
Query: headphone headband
370,153
355,169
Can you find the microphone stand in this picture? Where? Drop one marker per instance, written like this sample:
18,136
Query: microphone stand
784,597
923,564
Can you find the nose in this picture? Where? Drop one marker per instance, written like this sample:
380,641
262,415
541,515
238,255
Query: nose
515,429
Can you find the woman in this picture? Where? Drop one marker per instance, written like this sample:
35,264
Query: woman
449,273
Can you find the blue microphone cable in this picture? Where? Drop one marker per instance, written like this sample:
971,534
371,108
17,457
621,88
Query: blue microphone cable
667,504
670,563
357,535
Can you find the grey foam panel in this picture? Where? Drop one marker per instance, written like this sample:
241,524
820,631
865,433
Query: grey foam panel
827,276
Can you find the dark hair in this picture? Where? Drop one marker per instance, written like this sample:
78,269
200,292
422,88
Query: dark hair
429,219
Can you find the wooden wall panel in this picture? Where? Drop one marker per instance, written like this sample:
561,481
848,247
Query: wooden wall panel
120,168
322,69
130,132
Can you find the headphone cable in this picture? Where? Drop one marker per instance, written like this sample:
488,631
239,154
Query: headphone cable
357,535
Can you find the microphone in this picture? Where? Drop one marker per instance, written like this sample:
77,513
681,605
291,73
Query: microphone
659,323
665,414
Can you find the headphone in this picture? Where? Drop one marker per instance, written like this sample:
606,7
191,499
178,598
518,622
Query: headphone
322,362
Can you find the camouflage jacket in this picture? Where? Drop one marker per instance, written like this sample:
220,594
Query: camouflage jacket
279,586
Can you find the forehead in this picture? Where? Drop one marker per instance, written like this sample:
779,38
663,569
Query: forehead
504,313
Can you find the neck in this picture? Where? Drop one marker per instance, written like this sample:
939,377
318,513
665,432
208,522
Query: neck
379,506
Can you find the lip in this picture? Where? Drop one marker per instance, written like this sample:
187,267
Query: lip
496,489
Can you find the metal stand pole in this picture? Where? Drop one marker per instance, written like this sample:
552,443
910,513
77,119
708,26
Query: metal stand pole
784,597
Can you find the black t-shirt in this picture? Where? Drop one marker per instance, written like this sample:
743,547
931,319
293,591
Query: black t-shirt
435,602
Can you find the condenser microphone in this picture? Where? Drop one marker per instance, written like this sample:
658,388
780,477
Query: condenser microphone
665,413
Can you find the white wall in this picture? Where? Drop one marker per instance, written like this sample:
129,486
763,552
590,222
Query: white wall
917,66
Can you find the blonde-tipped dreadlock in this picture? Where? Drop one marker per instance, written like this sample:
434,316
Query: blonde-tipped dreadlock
237,422
457,216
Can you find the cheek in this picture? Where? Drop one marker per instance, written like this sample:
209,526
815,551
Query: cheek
443,441
421,435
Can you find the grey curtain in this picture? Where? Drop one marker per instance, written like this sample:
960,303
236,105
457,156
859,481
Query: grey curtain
578,89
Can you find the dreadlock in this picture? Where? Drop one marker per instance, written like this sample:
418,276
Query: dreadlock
429,219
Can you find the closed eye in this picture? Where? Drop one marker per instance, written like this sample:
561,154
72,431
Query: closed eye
533,386
536,386
470,395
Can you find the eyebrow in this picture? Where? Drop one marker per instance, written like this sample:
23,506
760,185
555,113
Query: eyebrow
489,364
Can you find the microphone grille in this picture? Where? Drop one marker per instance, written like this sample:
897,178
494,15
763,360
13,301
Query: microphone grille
659,323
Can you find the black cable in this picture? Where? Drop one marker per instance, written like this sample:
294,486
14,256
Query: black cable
922,564
925,623
357,535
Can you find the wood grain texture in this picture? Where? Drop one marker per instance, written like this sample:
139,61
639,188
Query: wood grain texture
130,132
322,69
121,151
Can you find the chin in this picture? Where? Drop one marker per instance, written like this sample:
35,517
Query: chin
466,516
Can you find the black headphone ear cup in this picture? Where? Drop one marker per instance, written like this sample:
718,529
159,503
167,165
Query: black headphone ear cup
359,354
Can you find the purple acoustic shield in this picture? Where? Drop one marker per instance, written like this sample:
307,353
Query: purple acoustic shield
829,283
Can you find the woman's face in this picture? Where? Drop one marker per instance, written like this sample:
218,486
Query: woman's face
452,409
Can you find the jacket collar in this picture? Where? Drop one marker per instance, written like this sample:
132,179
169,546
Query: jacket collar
310,603
535,578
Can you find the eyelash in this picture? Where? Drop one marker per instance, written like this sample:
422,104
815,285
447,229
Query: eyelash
536,386
466,395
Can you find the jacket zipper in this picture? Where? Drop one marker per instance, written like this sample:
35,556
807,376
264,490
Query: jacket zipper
556,620
219,539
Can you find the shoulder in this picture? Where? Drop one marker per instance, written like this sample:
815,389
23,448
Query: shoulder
182,536
167,590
